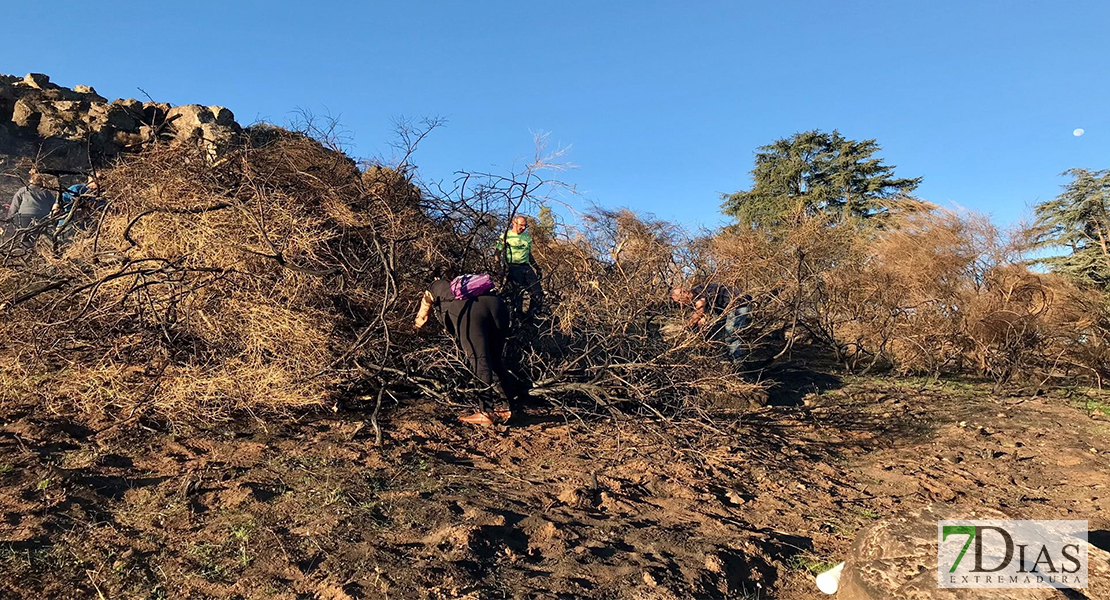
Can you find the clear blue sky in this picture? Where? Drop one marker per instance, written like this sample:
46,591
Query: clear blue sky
663,103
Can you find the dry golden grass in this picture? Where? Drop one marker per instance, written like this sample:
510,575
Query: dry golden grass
210,289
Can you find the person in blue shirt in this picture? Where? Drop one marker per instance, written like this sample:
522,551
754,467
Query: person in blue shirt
77,202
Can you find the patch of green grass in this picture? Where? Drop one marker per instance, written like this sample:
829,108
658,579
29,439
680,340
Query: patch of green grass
242,532
31,560
865,513
1093,405
240,535
43,485
1088,399
6,468
811,563
208,558
224,560
851,520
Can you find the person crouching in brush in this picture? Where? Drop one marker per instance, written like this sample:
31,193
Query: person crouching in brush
722,311
479,325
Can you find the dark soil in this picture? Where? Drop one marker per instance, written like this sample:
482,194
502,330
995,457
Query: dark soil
555,507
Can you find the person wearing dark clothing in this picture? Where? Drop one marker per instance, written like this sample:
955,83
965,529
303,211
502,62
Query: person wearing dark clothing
479,326
515,247
723,308
30,203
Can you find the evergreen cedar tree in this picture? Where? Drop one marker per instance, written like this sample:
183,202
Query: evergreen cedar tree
816,173
1079,220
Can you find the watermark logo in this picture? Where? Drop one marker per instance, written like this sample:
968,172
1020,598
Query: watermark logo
1012,554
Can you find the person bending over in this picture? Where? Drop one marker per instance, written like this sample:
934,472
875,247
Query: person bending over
479,326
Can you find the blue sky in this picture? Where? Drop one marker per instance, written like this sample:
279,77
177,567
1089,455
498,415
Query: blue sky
662,103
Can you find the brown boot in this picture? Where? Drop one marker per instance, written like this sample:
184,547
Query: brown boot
478,418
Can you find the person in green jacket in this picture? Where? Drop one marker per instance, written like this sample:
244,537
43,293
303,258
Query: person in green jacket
515,247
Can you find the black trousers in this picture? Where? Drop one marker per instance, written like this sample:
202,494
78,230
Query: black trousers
524,279
482,328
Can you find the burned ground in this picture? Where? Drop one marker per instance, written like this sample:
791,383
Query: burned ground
556,507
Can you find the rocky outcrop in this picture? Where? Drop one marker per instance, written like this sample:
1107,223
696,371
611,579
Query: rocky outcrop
32,109
72,130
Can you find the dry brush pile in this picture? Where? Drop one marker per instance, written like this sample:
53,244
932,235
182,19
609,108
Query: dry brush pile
283,277
250,284
614,335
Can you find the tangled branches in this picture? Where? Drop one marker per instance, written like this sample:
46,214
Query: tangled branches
282,277
933,293
243,285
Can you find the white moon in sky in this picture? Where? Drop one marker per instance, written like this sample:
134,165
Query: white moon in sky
1078,132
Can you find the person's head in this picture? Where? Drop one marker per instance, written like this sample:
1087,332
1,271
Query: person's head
682,295
518,225
36,178
92,184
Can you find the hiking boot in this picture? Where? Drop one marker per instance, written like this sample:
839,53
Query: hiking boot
478,418
503,415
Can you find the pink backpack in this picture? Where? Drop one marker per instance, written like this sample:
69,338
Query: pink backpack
471,286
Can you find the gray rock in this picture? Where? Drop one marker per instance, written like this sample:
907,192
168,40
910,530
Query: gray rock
26,114
55,125
223,116
199,124
185,119
130,104
154,113
37,81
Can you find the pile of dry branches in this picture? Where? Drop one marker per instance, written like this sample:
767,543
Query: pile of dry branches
283,277
203,289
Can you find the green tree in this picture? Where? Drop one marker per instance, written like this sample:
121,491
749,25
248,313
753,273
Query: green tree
1078,220
544,225
814,173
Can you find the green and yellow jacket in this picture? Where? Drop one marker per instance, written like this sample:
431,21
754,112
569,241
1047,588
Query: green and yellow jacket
519,248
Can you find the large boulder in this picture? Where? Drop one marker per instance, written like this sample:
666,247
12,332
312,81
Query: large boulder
37,81
897,558
89,93
26,114
213,127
